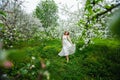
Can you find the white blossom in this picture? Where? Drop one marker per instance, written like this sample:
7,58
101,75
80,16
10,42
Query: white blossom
33,57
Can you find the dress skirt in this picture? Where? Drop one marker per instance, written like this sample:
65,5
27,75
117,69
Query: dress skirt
67,48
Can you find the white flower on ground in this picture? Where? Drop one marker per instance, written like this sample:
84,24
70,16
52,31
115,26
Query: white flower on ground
80,49
32,66
33,73
11,46
47,74
33,57
4,75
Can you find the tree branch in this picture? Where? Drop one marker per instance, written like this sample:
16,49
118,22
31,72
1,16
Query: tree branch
104,12
101,13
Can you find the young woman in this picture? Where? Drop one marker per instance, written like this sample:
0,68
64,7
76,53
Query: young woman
67,46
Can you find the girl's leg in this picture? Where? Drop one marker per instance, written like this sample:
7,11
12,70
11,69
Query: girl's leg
67,58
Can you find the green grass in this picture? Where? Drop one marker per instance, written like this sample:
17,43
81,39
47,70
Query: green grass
99,61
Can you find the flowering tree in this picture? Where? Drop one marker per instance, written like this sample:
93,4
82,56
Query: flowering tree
17,24
90,21
46,12
95,18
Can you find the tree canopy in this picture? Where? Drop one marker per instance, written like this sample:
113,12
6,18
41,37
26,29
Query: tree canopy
46,12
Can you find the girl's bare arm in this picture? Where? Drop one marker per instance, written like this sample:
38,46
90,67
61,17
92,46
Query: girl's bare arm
69,39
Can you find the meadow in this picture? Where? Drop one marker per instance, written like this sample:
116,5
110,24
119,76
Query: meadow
98,61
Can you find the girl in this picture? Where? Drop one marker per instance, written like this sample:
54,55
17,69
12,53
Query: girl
67,46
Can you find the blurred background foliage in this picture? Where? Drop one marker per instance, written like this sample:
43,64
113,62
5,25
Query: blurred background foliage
30,43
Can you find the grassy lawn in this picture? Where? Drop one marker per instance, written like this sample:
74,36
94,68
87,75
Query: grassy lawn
98,61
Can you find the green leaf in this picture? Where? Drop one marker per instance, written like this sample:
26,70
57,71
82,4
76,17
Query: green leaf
107,6
24,71
2,13
1,25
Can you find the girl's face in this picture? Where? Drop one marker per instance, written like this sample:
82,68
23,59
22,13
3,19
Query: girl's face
66,33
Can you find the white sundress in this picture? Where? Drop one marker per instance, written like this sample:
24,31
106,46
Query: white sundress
68,48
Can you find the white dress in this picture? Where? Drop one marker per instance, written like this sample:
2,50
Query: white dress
68,48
